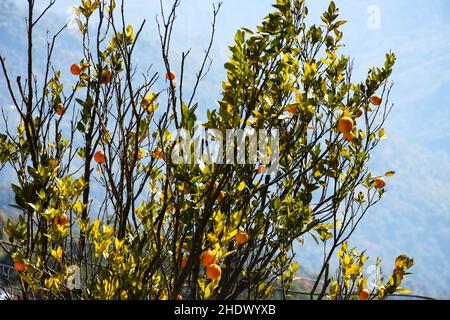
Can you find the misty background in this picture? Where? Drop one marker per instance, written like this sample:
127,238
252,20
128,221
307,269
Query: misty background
414,216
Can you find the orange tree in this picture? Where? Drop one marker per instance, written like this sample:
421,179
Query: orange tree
106,213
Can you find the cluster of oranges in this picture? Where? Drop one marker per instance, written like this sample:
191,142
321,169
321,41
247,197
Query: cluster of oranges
222,194
346,124
209,258
106,76
76,69
58,220
364,294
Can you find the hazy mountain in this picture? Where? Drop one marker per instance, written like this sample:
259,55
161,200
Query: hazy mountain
413,217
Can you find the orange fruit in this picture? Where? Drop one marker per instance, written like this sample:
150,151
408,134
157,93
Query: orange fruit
75,69
208,258
20,266
260,169
364,294
61,221
345,125
213,272
375,100
60,109
379,183
60,112
170,75
100,157
66,219
184,262
242,237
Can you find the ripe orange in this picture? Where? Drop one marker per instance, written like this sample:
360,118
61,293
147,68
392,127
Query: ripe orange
184,262
375,100
364,294
66,219
20,266
260,169
345,125
75,69
170,75
208,258
213,272
242,237
61,221
100,157
60,109
379,183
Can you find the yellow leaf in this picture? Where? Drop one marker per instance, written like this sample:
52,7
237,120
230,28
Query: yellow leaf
241,186
57,253
78,207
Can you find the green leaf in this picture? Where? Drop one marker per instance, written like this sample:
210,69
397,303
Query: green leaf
339,23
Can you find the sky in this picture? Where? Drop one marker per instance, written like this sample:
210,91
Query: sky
414,216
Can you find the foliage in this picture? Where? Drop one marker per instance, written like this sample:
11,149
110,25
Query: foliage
144,239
